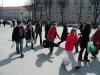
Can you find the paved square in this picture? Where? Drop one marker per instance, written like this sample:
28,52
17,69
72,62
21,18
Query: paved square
36,62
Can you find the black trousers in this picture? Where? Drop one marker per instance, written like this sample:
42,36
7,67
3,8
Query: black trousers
76,47
40,35
81,53
52,46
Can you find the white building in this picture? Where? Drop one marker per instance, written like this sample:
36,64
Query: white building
17,13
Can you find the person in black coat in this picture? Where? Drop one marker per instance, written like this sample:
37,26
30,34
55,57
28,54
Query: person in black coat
4,23
18,36
84,43
29,34
47,27
77,44
13,23
38,31
64,34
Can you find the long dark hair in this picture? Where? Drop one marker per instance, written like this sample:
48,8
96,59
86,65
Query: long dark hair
88,28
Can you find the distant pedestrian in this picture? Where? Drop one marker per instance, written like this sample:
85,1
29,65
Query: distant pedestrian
84,42
69,47
30,35
18,36
13,23
64,34
4,23
52,33
38,31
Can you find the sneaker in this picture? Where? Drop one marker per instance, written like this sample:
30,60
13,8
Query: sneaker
77,67
95,57
22,55
86,60
17,52
32,47
49,54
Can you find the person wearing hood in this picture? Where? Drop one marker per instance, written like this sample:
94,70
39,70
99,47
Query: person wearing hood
30,34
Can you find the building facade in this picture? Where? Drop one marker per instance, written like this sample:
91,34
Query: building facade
15,13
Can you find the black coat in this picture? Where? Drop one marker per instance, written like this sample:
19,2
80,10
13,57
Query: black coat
64,33
38,28
84,39
30,31
47,27
18,34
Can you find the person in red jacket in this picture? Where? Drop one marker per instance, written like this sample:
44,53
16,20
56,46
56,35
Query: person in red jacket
52,34
69,47
96,41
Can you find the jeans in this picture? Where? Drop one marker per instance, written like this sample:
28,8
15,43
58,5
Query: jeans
52,46
72,59
19,46
40,35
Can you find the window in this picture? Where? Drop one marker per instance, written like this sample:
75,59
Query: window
89,8
21,13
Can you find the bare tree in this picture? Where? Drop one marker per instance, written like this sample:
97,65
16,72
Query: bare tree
34,11
46,3
79,7
62,4
96,8
50,2
41,9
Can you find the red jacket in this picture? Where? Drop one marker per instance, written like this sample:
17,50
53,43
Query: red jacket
96,37
70,41
52,33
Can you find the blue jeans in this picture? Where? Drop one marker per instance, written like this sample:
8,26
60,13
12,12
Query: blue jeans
19,46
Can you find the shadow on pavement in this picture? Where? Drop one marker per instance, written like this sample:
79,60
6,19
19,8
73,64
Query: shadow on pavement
38,48
88,68
59,51
26,49
8,60
63,71
42,58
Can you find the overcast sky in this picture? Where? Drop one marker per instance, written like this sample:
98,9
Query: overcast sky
12,2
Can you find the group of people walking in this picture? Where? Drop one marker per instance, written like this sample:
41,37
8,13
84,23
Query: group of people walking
72,39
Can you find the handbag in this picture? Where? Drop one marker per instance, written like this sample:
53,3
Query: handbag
91,48
46,43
